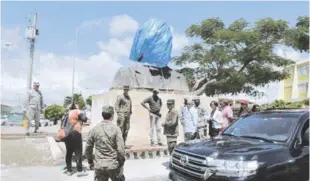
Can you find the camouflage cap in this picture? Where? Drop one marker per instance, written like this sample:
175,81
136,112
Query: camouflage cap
155,90
36,83
196,98
108,109
170,101
126,87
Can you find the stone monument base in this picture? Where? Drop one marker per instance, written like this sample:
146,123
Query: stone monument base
138,134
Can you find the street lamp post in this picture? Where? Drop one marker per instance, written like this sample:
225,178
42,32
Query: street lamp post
74,60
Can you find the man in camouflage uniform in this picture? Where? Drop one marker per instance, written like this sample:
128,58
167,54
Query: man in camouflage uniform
34,105
171,127
202,126
109,149
123,107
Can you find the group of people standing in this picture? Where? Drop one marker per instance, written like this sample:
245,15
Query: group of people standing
109,140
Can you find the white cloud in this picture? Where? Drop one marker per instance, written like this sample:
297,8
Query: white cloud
122,24
117,47
179,41
287,52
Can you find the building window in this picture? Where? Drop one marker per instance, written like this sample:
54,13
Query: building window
303,70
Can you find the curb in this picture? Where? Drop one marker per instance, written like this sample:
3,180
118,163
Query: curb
55,150
134,153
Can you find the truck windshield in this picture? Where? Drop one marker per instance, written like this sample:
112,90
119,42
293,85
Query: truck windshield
271,126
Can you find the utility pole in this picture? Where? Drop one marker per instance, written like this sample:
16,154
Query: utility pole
31,33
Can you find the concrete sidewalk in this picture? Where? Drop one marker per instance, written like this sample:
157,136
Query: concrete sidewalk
134,170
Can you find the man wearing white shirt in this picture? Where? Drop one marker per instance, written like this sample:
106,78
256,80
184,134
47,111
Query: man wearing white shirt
216,120
190,120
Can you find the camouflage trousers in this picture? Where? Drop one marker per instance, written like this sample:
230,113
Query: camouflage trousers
171,145
123,122
33,114
202,132
105,175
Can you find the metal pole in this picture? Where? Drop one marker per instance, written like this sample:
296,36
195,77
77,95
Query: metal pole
32,43
74,59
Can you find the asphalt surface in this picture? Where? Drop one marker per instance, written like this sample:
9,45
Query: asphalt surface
29,159
134,170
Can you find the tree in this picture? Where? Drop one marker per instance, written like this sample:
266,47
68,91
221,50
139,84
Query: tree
298,37
236,58
54,112
78,99
89,100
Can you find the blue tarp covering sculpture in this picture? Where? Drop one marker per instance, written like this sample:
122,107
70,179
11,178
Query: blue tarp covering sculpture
152,44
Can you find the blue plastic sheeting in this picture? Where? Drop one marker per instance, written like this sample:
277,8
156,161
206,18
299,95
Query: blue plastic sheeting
152,44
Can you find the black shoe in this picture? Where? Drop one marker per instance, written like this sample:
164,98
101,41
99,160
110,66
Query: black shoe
161,144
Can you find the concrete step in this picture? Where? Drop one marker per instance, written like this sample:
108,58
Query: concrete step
134,152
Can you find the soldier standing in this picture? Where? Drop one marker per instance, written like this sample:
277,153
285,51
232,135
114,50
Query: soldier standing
109,148
34,106
123,107
171,127
202,126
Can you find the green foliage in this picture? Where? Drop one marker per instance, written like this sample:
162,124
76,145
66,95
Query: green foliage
89,100
78,99
283,104
239,56
298,37
54,112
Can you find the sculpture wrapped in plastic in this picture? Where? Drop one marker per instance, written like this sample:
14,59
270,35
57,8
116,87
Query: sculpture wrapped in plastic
152,44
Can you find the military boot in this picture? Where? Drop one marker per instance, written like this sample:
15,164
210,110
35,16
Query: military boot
152,144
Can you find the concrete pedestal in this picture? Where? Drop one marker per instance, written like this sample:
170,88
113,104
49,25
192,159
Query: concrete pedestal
140,125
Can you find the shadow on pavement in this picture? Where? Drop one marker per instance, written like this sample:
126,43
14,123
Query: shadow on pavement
166,164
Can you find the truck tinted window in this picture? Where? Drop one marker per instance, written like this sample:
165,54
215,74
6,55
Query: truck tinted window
274,126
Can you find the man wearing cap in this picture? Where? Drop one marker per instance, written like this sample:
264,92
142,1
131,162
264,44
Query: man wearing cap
34,105
109,155
123,107
154,108
171,128
202,128
244,109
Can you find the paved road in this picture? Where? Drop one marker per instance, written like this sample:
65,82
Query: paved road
135,170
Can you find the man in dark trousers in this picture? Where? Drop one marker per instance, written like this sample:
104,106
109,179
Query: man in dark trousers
123,107
155,105
171,127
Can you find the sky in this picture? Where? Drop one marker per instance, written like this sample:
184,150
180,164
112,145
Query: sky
105,35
